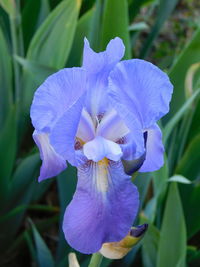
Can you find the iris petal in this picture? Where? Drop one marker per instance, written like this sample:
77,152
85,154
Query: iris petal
103,208
154,150
95,62
86,130
100,148
59,92
52,163
112,126
142,88
63,134
98,67
134,147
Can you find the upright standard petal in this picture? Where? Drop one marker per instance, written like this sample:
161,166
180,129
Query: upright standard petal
142,88
154,159
103,208
98,67
112,127
52,163
134,142
96,62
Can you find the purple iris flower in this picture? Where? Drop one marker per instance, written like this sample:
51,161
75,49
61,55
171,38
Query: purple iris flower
101,118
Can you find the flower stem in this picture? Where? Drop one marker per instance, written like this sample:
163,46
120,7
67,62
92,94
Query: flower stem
95,260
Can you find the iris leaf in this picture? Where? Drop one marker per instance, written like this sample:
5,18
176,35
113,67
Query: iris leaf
39,10
22,188
5,79
55,35
67,179
172,244
142,182
135,5
160,178
179,179
8,6
189,167
116,25
43,254
189,56
82,30
37,71
96,26
150,246
172,123
52,42
165,9
8,139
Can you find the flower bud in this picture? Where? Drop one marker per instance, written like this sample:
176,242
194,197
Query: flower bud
117,250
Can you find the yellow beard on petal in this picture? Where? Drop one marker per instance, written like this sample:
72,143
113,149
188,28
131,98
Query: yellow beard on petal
101,175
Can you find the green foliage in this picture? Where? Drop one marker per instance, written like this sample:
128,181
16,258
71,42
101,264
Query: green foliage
5,80
54,37
173,232
43,254
165,9
189,56
37,38
8,135
115,24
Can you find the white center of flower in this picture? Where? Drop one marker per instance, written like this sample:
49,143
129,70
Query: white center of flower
99,136
99,148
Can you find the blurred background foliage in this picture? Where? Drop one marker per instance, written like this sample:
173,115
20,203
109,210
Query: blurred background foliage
38,37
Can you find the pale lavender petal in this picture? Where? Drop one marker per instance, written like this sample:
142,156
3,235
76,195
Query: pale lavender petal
100,148
86,130
63,134
103,208
112,127
52,163
59,92
134,142
96,62
98,67
154,150
142,88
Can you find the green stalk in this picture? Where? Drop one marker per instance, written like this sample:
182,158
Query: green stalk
95,260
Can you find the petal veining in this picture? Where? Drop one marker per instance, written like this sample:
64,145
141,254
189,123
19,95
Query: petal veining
53,98
100,213
86,130
143,88
112,127
98,67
